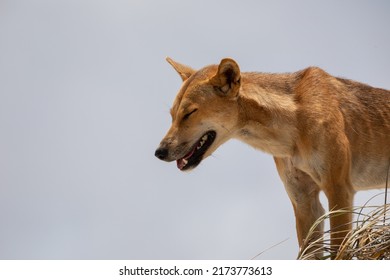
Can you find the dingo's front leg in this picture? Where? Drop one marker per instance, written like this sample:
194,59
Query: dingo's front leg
336,184
304,195
340,223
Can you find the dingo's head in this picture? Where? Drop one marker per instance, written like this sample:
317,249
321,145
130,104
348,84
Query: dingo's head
204,114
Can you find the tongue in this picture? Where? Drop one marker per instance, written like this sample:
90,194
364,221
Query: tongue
187,156
181,163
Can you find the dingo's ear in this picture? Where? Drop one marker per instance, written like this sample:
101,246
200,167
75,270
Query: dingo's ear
228,77
184,71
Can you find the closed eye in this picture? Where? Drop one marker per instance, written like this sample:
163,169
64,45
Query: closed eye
186,116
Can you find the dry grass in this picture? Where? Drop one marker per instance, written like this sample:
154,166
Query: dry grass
368,240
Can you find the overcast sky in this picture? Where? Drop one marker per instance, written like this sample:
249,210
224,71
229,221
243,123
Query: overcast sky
85,94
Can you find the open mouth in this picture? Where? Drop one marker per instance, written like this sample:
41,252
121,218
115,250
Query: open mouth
195,155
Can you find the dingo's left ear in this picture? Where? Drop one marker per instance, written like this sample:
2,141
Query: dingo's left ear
184,71
228,77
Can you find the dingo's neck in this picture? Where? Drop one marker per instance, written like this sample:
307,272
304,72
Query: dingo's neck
268,112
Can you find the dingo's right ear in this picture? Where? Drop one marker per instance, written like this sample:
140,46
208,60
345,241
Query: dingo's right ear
184,71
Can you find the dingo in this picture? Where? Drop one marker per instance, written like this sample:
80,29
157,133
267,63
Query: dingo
325,133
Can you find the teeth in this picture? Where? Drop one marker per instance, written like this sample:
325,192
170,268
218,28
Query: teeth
201,142
185,161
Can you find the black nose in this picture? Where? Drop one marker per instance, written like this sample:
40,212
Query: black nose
161,153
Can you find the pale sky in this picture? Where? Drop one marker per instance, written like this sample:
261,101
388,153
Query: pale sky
85,94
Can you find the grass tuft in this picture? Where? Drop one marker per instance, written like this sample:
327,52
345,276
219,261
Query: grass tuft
368,240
